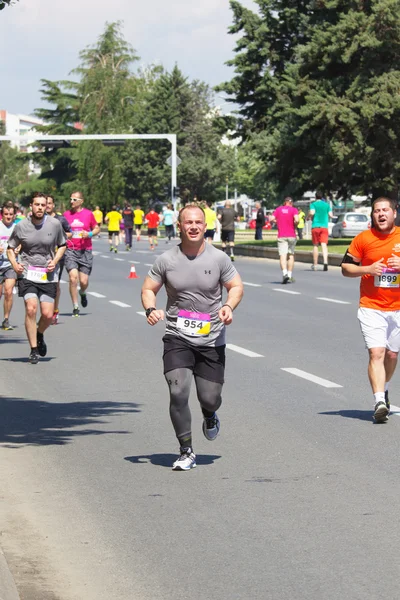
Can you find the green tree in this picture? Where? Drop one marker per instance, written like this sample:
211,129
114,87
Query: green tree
14,169
105,87
345,97
323,97
4,3
172,104
58,165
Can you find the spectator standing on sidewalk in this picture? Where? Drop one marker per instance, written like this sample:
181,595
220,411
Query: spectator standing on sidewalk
227,218
301,223
320,213
260,221
286,217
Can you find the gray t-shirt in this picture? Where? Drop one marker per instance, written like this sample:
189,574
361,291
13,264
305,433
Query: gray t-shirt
38,246
194,290
228,218
5,233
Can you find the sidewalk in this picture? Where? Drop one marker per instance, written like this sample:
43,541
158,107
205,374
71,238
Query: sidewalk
8,590
304,256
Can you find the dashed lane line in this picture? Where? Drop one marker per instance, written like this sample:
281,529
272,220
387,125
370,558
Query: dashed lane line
310,377
104,256
141,313
335,301
252,284
96,295
118,303
148,264
244,351
120,259
286,291
135,262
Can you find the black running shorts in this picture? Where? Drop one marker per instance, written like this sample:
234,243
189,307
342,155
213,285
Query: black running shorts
207,362
227,236
152,231
43,291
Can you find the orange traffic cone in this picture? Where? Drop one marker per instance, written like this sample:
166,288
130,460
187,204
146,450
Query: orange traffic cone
133,274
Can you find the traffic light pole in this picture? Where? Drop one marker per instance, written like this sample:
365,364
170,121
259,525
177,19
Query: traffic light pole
171,137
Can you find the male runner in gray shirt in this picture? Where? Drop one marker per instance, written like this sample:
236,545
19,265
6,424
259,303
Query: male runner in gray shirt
42,246
194,343
227,217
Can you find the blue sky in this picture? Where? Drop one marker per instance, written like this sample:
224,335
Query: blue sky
42,39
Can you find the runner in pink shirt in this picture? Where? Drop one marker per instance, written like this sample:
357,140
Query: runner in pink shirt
79,257
286,217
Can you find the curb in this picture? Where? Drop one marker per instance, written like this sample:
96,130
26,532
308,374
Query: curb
8,590
300,255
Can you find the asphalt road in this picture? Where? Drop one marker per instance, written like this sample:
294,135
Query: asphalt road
296,500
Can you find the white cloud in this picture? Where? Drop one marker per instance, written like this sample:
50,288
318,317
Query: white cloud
42,39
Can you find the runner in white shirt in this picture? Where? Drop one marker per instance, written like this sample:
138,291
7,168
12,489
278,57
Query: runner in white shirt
7,274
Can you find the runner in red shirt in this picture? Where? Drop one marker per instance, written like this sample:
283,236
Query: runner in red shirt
152,219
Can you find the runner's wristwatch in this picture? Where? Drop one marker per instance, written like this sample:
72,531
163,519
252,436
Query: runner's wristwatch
149,311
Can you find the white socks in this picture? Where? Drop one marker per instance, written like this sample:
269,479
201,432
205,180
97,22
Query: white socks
379,397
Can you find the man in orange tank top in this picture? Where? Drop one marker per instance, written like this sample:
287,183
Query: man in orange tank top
374,255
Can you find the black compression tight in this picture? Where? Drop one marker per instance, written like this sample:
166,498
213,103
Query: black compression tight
208,394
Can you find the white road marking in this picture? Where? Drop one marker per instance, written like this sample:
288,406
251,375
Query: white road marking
395,410
141,313
121,304
148,264
120,259
335,301
96,295
244,351
310,377
135,262
63,281
286,291
144,251
252,284
104,256
95,252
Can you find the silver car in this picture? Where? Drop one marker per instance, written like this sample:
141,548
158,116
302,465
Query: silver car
350,224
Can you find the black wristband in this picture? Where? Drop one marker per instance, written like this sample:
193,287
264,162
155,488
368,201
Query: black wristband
149,311
229,306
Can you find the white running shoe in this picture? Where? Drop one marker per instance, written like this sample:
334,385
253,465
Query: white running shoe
381,412
186,461
211,427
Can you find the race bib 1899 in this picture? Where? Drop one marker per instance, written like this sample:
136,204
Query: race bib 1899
388,279
193,324
38,274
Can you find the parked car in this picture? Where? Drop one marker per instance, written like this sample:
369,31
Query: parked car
252,224
350,224
331,225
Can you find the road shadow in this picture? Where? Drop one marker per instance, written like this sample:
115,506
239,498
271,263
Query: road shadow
12,340
361,415
25,359
36,423
69,314
166,460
